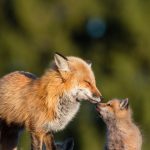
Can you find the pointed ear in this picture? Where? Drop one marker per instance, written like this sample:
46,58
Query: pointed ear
61,62
124,104
69,144
89,62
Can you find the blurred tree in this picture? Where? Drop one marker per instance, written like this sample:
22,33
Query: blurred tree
115,35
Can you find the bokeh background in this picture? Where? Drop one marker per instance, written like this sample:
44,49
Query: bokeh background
114,35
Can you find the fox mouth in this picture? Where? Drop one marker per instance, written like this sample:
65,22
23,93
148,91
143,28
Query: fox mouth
99,112
93,100
97,108
90,100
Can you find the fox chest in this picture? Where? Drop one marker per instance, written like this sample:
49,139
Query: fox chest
65,112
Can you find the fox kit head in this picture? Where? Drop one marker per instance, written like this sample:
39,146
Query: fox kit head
77,78
68,144
114,110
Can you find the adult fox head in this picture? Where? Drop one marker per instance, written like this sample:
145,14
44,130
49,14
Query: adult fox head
77,78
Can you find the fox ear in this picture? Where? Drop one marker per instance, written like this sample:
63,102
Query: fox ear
124,104
89,62
69,144
61,62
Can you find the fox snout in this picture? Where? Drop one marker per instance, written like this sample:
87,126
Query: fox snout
99,106
89,93
96,95
96,98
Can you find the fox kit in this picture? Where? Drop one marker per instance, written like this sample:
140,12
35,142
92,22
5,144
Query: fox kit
46,104
122,133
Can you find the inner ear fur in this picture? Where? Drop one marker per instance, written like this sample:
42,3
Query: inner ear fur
61,62
89,62
124,104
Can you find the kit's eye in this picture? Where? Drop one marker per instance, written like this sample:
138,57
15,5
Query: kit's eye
109,104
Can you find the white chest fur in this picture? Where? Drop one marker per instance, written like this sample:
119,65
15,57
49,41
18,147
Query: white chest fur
66,110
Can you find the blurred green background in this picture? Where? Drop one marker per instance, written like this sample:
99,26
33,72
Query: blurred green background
114,35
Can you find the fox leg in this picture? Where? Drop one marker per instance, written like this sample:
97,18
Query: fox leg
9,137
36,141
49,142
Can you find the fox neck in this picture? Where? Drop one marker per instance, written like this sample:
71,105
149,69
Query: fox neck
61,101
114,138
116,125
65,110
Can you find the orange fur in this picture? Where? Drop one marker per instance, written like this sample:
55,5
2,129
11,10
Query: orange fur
30,102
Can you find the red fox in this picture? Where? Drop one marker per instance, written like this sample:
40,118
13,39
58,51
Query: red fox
122,133
46,104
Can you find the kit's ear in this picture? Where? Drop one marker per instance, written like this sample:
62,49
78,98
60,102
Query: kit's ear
89,62
124,104
61,62
68,144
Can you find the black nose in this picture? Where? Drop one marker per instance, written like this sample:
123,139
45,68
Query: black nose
102,98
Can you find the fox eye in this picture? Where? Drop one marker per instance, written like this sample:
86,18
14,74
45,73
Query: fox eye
87,82
109,104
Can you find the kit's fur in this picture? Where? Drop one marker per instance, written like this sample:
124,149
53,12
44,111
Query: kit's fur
122,133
